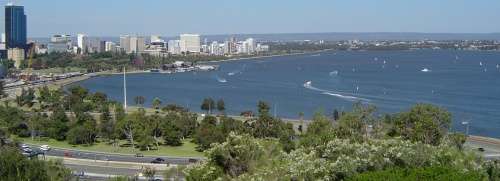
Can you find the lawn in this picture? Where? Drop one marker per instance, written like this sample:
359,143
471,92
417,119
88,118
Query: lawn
57,70
186,150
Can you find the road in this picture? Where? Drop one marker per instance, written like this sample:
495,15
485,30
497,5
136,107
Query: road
115,157
491,146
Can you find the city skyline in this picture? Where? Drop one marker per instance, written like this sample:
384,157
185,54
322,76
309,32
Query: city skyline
113,18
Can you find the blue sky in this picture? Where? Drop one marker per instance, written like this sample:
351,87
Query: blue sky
171,17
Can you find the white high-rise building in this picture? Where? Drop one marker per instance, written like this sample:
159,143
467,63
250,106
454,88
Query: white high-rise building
190,43
174,47
82,42
251,45
137,44
125,43
132,44
156,38
110,47
3,38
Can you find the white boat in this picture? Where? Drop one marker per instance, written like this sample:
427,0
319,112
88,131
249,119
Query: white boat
480,63
308,84
425,70
498,66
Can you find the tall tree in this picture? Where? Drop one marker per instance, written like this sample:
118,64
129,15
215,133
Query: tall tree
139,100
156,103
221,107
208,105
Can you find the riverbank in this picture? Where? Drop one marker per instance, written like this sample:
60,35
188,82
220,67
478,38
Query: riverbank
270,56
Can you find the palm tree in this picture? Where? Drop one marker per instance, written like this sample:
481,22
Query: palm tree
139,100
156,103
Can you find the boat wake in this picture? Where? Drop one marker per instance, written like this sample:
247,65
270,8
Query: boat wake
308,85
221,80
334,73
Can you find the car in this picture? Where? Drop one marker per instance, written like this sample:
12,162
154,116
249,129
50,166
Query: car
481,149
139,155
27,150
78,173
158,160
45,148
24,146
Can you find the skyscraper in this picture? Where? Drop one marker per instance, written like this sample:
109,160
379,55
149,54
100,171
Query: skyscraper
190,43
15,26
82,43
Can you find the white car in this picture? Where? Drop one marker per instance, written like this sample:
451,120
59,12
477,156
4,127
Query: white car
45,148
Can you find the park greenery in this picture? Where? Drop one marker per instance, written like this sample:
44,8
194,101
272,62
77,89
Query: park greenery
351,145
411,145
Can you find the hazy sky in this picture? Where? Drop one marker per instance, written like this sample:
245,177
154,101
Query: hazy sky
171,17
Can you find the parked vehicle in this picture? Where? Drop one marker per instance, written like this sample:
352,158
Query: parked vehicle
139,155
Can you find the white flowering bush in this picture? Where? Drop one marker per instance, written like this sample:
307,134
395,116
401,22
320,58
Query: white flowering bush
338,159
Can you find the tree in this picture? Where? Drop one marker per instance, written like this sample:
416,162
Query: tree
425,123
107,126
130,126
221,106
139,100
2,93
16,166
263,108
336,115
207,105
149,172
171,134
156,103
58,126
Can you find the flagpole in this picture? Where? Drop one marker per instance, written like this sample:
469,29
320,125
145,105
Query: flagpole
124,89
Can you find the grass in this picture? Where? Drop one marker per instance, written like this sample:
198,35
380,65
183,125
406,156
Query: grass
186,150
57,70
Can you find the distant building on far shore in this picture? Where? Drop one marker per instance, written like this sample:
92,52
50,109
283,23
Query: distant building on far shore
190,43
132,44
15,27
17,55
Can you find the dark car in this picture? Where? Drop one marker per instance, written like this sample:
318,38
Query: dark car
481,149
158,160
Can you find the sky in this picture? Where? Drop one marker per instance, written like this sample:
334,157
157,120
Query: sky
172,17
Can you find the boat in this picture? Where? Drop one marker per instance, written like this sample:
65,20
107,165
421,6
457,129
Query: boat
154,70
480,63
316,55
425,70
308,84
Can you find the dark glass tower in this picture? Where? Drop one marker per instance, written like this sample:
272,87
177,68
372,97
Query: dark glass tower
15,27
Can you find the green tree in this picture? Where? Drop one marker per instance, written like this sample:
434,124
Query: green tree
2,92
156,103
149,172
58,126
221,107
208,105
139,100
425,123
16,166
107,125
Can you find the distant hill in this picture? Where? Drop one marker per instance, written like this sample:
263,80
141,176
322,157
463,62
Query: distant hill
335,36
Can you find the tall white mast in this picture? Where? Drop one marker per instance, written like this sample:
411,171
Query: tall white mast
124,89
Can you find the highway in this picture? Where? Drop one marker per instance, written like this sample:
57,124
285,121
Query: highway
115,157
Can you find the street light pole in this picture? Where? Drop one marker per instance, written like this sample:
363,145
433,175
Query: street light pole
466,124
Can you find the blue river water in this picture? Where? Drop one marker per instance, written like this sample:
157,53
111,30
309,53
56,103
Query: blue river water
465,82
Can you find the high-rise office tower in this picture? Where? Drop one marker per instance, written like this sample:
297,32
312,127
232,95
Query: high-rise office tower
82,43
15,26
190,43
